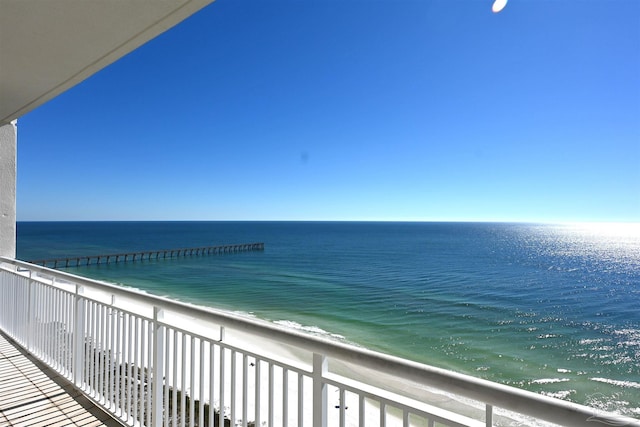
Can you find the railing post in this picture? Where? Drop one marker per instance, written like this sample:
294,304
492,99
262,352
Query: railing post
157,389
319,390
489,415
78,339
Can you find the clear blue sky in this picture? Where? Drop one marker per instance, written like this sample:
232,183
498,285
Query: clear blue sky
353,110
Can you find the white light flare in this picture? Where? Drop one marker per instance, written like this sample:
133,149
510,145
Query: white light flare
498,5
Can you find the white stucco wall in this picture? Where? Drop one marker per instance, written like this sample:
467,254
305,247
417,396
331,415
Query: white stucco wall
8,144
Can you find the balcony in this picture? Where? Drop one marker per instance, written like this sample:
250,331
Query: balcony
152,361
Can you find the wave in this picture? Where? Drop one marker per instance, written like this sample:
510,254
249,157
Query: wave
550,380
625,384
562,394
314,330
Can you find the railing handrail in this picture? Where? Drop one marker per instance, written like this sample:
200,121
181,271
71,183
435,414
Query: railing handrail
491,393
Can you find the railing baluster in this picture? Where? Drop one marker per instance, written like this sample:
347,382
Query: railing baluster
342,408
44,319
174,407
112,358
30,311
221,379
39,322
88,344
128,391
258,384
151,356
319,390
136,363
140,365
60,331
78,334
232,406
156,392
72,335
64,313
488,415
51,324
123,366
166,371
87,337
201,377
66,334
94,357
100,352
245,386
69,309
184,381
300,399
211,383
118,363
271,392
42,322
285,397
99,367
106,355
54,335
94,350
192,376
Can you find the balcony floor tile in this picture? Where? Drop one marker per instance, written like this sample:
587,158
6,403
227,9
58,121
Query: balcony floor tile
33,395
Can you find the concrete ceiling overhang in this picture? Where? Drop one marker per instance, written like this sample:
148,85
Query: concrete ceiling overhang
49,46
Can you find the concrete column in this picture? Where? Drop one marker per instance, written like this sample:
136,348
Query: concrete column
8,150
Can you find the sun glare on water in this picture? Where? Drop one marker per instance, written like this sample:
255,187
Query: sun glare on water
614,241
608,229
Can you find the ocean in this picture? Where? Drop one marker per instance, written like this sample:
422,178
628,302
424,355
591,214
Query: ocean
549,308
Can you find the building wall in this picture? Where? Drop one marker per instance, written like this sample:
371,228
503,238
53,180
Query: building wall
8,145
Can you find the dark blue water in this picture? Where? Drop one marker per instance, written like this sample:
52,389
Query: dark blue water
549,308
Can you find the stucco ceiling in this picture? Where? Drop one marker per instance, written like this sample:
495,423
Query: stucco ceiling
48,46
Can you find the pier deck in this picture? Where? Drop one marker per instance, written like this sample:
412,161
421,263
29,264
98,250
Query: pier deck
79,261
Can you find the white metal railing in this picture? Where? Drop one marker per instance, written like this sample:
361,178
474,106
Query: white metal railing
154,361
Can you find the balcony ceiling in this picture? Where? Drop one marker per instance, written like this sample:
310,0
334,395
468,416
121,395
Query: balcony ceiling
48,46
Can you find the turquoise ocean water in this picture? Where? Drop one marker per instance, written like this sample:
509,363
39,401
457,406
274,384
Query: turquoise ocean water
553,309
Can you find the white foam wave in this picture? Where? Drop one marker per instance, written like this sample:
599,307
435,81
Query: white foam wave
249,314
590,341
627,331
625,384
550,380
563,371
315,330
562,394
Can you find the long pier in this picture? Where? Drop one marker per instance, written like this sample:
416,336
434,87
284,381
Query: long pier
146,255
